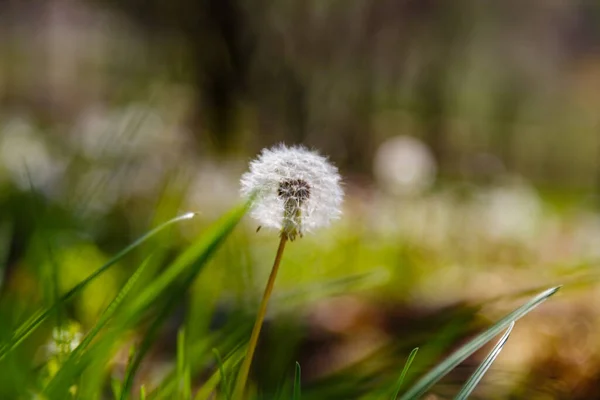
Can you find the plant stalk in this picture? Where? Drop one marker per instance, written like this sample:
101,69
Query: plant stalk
242,378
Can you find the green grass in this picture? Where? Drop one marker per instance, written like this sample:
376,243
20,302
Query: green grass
209,336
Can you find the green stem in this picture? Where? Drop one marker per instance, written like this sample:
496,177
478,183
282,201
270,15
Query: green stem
242,378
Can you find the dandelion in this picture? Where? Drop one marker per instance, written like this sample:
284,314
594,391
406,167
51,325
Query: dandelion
295,191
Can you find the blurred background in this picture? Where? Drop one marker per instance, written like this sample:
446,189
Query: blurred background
467,133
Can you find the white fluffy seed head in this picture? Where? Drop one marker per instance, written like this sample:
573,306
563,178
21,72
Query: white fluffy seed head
295,190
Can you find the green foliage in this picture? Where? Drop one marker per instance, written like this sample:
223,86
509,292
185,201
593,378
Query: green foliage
150,311
297,388
409,361
473,345
474,380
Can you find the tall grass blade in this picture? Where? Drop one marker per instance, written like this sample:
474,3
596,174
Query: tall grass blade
183,367
229,339
224,382
185,267
208,388
407,365
183,270
115,385
472,346
111,309
40,316
143,348
474,380
297,378
169,288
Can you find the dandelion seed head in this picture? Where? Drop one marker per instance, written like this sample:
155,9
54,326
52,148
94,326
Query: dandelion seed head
296,190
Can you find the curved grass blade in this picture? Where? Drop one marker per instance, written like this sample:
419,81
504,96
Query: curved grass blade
409,361
183,270
297,389
207,390
143,348
472,346
474,380
112,308
183,367
231,340
224,382
37,318
191,261
104,318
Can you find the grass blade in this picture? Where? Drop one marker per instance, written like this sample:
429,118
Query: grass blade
209,386
473,381
112,308
183,367
297,388
169,287
472,346
40,316
224,382
143,348
184,269
407,365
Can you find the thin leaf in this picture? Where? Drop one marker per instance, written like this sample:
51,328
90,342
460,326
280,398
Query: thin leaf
224,382
169,288
37,318
52,284
230,339
472,346
208,388
407,365
184,269
115,384
111,309
143,348
183,369
468,388
297,376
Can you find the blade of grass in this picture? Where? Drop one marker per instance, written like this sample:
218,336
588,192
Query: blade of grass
143,349
183,369
183,270
194,259
40,316
297,377
472,346
112,308
409,361
52,265
224,382
230,339
115,385
208,388
473,381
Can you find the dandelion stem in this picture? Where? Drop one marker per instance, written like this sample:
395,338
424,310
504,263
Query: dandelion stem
240,383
